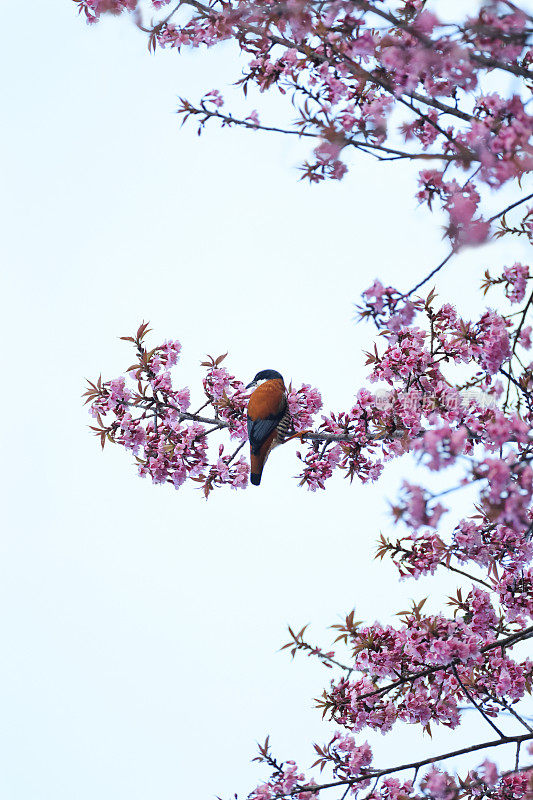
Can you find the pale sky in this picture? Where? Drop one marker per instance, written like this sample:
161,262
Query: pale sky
140,626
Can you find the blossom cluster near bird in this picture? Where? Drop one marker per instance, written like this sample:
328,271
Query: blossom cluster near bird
424,411
397,81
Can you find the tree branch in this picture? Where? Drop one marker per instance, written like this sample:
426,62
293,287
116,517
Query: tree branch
314,789
483,60
454,251
431,274
509,208
508,641
228,119
356,69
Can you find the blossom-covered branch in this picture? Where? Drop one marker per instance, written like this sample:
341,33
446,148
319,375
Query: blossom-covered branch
434,783
347,66
152,418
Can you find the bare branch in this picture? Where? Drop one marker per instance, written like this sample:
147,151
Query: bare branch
509,208
478,707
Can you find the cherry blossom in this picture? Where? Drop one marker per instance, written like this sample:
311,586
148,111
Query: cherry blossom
449,392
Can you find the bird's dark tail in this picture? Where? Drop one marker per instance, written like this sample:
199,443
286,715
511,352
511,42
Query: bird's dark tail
257,463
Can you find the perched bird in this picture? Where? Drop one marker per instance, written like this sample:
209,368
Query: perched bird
268,419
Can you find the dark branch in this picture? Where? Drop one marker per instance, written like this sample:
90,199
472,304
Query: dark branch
413,765
454,251
478,707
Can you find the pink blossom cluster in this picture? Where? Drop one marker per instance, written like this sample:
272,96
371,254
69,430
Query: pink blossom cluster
516,278
426,131
501,427
440,69
498,35
285,780
303,404
443,444
478,607
169,354
403,358
493,346
408,354
114,397
415,555
317,467
508,493
355,422
461,203
503,679
439,785
226,473
214,97
327,161
151,419
422,645
516,594
500,135
353,756
171,455
386,307
229,398
414,508
524,337
94,8
486,543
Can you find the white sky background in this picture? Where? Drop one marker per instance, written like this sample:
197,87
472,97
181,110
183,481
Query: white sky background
139,625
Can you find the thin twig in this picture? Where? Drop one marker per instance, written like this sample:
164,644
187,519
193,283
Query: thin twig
521,323
236,451
202,407
190,110
467,693
454,250
431,274
512,711
467,575
509,208
516,383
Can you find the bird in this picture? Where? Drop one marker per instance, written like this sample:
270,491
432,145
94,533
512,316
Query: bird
268,419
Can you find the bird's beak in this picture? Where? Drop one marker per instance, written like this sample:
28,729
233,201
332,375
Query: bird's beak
252,383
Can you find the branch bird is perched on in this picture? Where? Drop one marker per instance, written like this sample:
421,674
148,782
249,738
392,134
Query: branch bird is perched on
268,419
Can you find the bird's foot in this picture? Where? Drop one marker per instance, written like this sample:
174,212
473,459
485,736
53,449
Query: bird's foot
299,435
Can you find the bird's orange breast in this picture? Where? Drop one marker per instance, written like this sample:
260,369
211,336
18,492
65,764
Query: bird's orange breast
267,399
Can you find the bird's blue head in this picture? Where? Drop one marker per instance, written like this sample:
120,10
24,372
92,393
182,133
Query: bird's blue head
265,375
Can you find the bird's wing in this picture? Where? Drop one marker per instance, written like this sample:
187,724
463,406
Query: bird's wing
260,429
